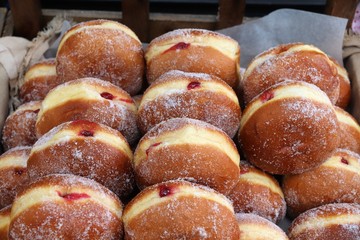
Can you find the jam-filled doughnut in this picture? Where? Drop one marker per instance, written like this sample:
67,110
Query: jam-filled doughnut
259,193
4,222
296,61
337,221
349,131
64,206
189,149
89,99
336,180
179,210
194,50
102,49
289,128
19,126
254,227
86,149
193,95
345,86
39,79
13,173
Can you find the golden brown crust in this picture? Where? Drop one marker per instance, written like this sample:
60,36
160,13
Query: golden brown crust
251,196
345,87
19,127
208,105
84,155
325,184
288,135
194,58
304,65
106,53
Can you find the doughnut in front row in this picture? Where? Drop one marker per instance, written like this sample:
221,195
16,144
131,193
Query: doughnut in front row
337,180
295,61
19,126
64,206
86,149
89,99
338,221
200,96
289,128
194,50
102,49
180,210
188,149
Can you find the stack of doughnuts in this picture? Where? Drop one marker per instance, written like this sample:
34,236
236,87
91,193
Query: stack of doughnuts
105,160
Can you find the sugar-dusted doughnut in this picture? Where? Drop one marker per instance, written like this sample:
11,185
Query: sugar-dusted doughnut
254,227
13,173
86,149
19,127
189,149
193,95
345,86
89,99
102,49
349,131
64,206
194,50
39,79
259,193
296,61
4,222
179,210
336,180
332,221
289,128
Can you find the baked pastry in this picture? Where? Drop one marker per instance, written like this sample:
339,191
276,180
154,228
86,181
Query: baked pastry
102,49
188,149
19,127
4,222
332,221
13,173
179,210
86,149
254,227
194,50
337,180
289,128
39,79
89,99
259,193
345,86
295,61
64,206
200,96
349,131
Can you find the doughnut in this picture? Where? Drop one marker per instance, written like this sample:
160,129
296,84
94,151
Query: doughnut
337,180
4,222
258,193
89,99
13,173
345,86
349,131
179,210
86,149
64,206
254,227
102,49
19,126
189,149
295,61
194,50
39,79
338,221
192,95
289,128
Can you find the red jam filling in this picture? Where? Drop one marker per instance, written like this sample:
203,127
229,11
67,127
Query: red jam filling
86,133
36,111
151,147
178,46
73,196
344,161
126,100
193,85
19,171
266,96
107,95
165,191
243,170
